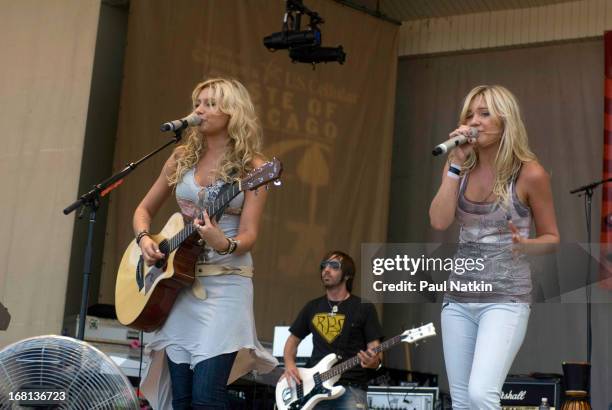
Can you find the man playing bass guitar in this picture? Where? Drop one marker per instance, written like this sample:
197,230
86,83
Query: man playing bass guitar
342,324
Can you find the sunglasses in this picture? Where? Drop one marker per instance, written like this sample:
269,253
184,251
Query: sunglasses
331,263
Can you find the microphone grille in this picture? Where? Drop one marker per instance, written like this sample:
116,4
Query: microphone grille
193,119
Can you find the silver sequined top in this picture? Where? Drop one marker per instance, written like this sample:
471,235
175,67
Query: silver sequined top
484,233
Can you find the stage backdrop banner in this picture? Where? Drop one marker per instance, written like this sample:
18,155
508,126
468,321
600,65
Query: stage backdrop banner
45,77
331,126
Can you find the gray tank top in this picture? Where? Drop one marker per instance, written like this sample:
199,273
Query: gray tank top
484,233
192,198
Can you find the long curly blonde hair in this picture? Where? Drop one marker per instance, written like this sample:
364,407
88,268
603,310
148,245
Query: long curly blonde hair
513,149
244,129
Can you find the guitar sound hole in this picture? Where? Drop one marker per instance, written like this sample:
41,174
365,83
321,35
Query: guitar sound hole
140,273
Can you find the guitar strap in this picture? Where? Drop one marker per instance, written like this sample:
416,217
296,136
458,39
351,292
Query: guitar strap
222,191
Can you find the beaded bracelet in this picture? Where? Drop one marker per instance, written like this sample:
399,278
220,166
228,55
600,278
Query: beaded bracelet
231,247
141,235
227,250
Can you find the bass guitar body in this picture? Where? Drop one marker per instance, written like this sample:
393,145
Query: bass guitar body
312,390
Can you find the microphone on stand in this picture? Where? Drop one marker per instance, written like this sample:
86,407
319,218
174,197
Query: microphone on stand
189,121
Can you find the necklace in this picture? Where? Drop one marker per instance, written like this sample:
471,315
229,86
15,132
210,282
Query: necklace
334,308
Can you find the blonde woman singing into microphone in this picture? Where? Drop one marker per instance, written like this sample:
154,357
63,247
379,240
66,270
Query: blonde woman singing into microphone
494,188
209,337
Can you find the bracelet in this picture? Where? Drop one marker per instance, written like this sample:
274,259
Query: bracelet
454,171
226,250
141,235
233,245
452,175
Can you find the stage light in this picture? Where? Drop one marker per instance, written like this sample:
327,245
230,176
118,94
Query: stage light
314,55
304,45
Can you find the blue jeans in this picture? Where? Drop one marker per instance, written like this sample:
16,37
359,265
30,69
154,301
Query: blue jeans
204,387
353,398
480,343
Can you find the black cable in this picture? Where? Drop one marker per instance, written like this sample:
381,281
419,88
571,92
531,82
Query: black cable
141,338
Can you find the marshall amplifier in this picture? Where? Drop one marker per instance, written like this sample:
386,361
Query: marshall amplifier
527,392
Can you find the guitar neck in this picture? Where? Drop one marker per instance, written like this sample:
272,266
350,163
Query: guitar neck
217,206
354,361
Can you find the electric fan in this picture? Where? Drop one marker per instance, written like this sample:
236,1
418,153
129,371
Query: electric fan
56,372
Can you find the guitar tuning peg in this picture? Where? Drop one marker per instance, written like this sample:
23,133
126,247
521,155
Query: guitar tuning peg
267,187
256,191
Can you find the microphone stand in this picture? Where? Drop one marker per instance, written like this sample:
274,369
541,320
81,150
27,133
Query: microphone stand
91,200
588,201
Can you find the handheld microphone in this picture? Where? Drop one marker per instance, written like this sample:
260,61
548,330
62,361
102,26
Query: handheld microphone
189,121
454,142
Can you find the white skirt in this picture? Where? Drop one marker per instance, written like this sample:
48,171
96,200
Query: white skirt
198,329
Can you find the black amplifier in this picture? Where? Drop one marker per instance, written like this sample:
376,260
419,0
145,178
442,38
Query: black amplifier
520,391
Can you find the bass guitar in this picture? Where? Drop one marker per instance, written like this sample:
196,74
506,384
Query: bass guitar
318,381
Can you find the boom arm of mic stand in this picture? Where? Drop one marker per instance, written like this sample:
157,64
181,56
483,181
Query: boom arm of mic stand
91,195
92,200
590,186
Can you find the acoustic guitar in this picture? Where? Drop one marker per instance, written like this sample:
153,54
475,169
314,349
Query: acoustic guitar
144,295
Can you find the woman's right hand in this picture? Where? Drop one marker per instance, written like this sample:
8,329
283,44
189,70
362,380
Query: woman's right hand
150,251
459,154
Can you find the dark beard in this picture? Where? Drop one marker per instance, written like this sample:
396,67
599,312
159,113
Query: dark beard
333,284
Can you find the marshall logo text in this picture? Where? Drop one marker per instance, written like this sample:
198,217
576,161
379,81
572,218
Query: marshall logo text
514,396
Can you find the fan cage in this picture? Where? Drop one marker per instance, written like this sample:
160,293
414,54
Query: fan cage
89,378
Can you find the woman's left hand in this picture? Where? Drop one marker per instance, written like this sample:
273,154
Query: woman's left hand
210,232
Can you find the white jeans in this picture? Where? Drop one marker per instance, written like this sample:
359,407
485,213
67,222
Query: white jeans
480,342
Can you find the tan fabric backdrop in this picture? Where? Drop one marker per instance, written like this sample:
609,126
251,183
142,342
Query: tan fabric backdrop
45,76
332,128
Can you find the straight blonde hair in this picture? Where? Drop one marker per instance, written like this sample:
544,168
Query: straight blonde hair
513,149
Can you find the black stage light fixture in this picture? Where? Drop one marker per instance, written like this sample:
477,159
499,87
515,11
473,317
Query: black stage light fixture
314,55
283,40
304,45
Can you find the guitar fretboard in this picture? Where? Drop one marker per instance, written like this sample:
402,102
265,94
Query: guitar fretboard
213,209
350,363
